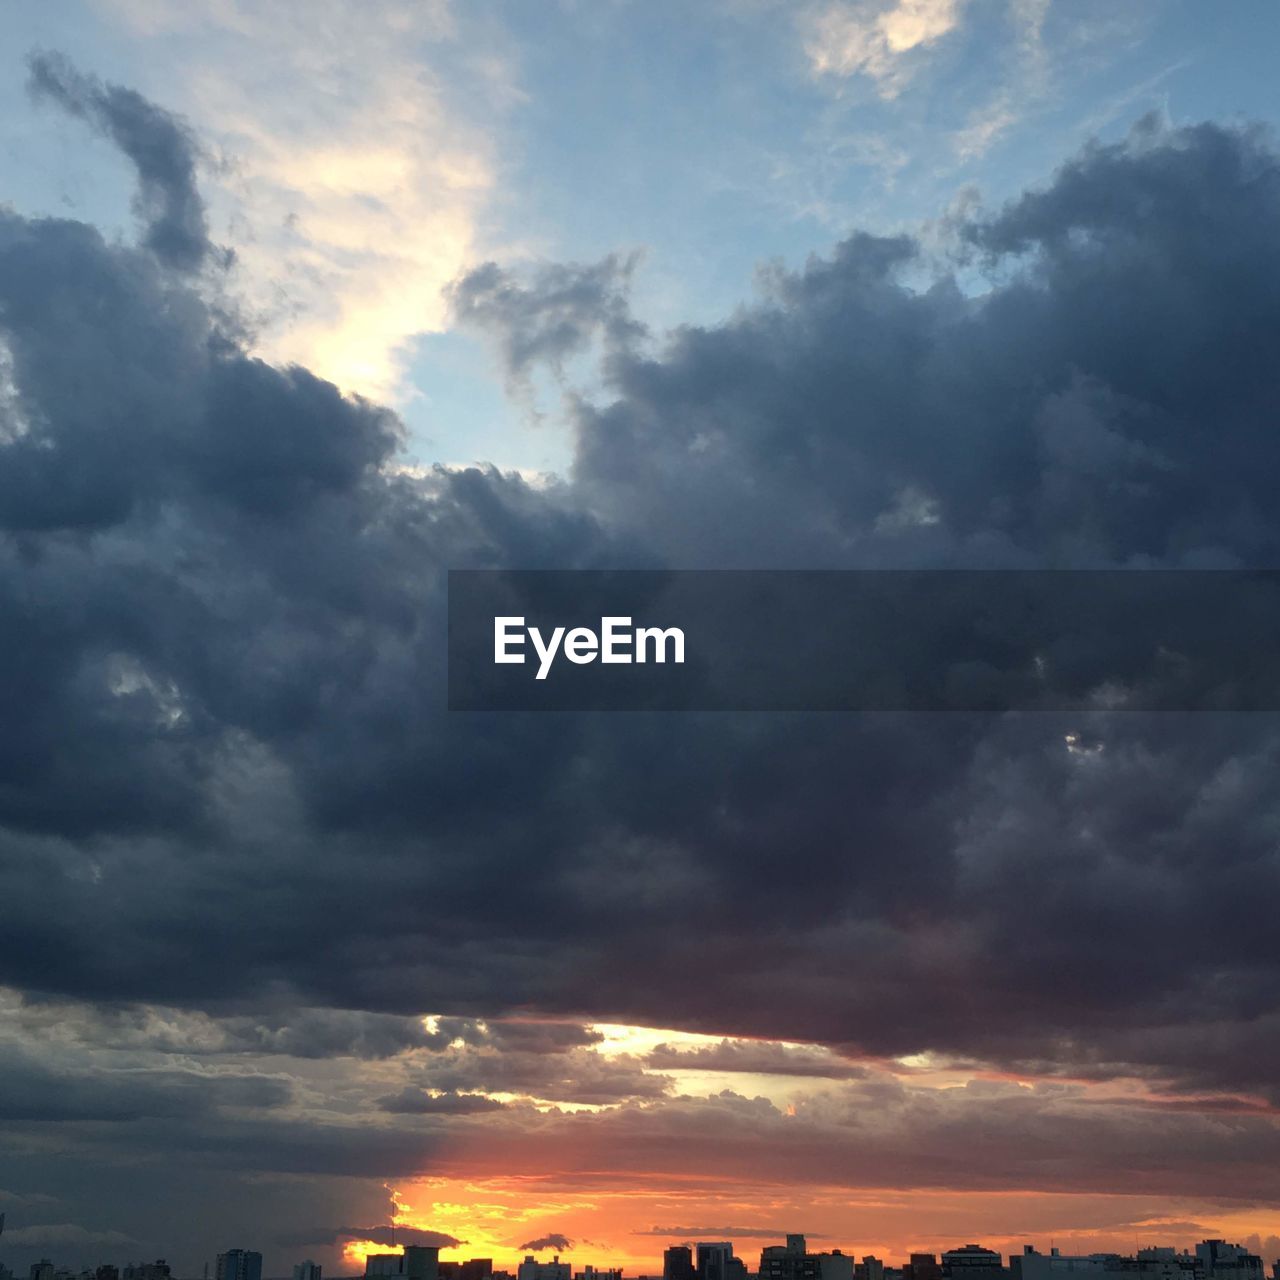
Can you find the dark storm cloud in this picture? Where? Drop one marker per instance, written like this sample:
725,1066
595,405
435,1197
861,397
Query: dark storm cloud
385,1235
576,1075
513,1034
65,1235
1104,405
415,1101
227,781
986,1136
294,1032
552,1241
162,151
36,1090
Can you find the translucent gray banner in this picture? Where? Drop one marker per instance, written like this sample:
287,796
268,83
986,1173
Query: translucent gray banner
811,640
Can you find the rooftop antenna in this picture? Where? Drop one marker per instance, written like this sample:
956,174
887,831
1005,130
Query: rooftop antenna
391,1192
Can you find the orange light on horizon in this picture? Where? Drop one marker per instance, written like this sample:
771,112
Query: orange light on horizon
356,1251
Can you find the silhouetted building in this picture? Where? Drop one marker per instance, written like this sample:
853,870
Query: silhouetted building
235,1264
417,1262
972,1262
157,1270
42,1270
307,1270
677,1263
793,1261
788,1261
595,1273
104,1272
472,1269
1212,1260
421,1262
715,1261
532,1269
1222,1261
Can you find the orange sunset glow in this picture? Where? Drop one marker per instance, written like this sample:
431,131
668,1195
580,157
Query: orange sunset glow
556,1172
617,1225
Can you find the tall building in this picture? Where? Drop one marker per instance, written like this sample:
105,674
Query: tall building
42,1270
793,1261
923,1266
307,1270
677,1263
421,1262
236,1264
713,1259
788,1261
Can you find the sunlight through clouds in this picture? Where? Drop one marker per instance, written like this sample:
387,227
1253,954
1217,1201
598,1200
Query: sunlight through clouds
348,180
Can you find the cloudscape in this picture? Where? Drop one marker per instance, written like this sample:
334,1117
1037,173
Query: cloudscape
304,305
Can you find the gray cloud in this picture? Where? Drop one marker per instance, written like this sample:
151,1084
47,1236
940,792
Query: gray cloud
558,313
379,1235
552,1241
39,1091
160,147
576,1075
66,1235
417,1101
760,1058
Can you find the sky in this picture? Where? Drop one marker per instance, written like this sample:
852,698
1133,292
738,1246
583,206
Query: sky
304,304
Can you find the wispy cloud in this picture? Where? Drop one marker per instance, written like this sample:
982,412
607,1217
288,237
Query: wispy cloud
875,40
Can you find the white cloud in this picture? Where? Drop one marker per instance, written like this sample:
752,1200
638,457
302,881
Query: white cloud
874,39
